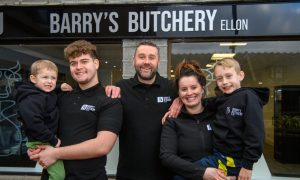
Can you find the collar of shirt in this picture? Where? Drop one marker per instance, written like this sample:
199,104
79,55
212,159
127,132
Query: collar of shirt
90,91
202,115
157,82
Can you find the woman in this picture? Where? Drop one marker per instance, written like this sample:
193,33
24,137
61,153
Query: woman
188,138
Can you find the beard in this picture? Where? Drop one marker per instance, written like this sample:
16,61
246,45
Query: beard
146,77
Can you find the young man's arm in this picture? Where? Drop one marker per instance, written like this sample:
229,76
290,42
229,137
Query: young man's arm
109,125
99,146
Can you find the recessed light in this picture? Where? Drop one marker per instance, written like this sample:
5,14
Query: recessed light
219,56
233,44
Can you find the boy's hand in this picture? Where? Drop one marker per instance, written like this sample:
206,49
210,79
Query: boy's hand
66,87
113,91
31,152
58,143
245,174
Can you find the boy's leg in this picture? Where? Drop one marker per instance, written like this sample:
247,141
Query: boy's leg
217,160
230,166
208,161
233,166
56,171
33,144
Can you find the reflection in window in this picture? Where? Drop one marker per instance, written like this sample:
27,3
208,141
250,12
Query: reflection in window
269,64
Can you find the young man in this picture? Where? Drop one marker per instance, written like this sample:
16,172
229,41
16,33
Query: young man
239,128
90,121
145,99
37,108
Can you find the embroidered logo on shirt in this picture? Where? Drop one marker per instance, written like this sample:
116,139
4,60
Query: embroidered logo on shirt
87,107
208,127
234,111
164,99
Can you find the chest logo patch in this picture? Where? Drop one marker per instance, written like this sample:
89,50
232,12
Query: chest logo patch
87,107
164,99
234,111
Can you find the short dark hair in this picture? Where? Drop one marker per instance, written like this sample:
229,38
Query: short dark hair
147,43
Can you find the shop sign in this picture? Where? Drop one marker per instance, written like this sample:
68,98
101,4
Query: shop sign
148,21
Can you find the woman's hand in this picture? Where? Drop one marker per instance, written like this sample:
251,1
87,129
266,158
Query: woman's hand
214,174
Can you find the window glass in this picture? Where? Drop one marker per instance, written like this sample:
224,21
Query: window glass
272,64
15,61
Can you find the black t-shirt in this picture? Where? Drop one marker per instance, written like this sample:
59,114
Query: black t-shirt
139,140
83,114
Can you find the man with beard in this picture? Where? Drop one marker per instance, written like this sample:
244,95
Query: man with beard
145,98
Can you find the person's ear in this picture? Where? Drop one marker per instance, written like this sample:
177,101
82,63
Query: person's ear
241,75
32,78
97,63
133,61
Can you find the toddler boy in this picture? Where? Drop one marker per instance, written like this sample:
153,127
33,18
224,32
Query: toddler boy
37,108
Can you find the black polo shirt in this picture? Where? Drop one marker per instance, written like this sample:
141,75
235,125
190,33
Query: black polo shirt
83,114
143,108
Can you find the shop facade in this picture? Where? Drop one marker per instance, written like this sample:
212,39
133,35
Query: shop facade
263,36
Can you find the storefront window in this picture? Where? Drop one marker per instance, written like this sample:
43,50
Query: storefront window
272,64
15,61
